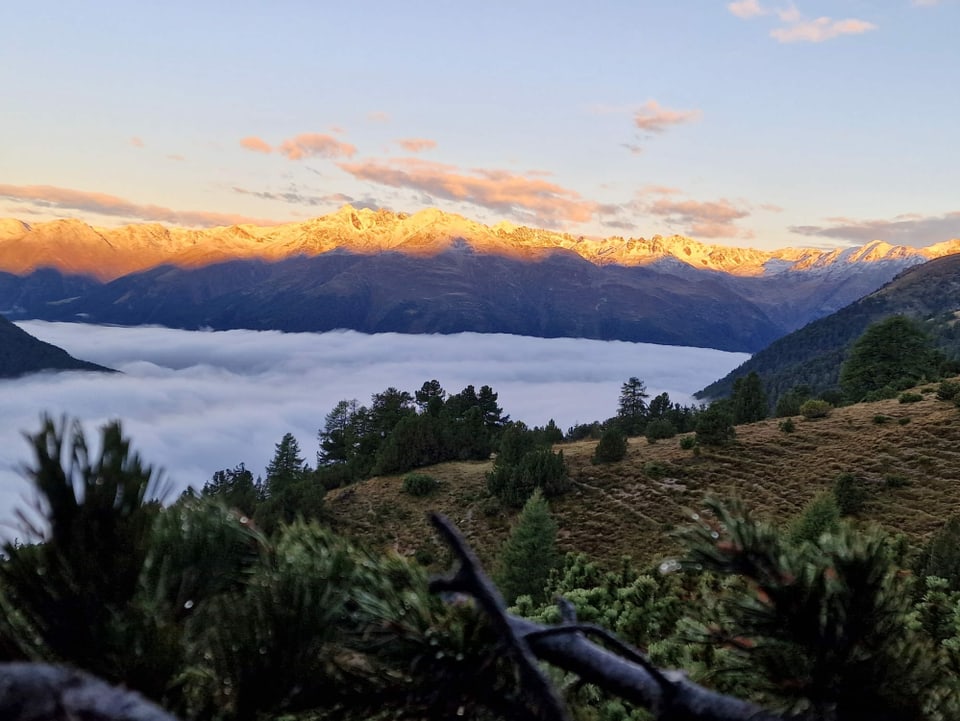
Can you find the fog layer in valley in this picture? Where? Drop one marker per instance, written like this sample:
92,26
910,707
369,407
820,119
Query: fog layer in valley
195,402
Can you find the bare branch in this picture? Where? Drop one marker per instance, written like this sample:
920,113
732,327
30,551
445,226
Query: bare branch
41,692
470,579
668,694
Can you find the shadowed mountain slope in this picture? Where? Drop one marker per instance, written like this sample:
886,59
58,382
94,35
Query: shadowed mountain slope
21,353
813,355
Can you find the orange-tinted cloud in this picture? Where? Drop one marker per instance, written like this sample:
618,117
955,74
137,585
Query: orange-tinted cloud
819,30
258,145
746,8
136,142
654,118
309,144
48,196
500,190
417,145
378,116
710,219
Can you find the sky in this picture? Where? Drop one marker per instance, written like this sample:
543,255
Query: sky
196,402
760,123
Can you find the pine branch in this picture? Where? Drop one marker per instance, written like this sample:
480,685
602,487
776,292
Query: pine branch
41,692
668,694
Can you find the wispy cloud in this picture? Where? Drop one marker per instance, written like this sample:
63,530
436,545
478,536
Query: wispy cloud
700,219
307,145
796,28
527,198
257,145
925,3
654,118
746,8
378,116
136,142
302,146
295,197
417,145
909,229
820,29
48,196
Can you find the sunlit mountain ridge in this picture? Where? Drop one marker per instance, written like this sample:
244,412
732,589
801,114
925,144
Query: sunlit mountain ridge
72,246
434,272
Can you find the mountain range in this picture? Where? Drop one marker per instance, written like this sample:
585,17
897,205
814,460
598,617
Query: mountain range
434,272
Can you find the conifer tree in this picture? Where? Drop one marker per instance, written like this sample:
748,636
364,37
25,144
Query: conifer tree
632,410
749,400
891,352
529,553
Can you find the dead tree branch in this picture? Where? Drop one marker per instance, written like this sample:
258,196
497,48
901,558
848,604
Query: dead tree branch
628,674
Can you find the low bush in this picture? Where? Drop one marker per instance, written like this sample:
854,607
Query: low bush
419,484
849,494
655,469
659,428
612,446
948,390
881,394
688,442
910,397
903,421
880,419
895,480
787,426
815,408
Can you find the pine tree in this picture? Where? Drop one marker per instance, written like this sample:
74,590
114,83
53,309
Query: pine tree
632,410
892,352
749,400
529,553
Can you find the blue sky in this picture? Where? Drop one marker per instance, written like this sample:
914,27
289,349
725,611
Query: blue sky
750,123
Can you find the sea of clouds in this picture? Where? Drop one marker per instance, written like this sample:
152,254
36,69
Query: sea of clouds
195,402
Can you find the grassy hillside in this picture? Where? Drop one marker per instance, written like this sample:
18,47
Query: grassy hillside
630,507
813,354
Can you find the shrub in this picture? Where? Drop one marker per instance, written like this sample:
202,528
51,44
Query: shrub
659,428
419,484
787,426
880,419
688,442
895,480
612,446
815,408
715,426
948,390
820,516
880,394
849,494
910,397
655,469
903,421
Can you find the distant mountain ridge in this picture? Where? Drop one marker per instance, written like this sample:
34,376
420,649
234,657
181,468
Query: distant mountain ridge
434,272
73,247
